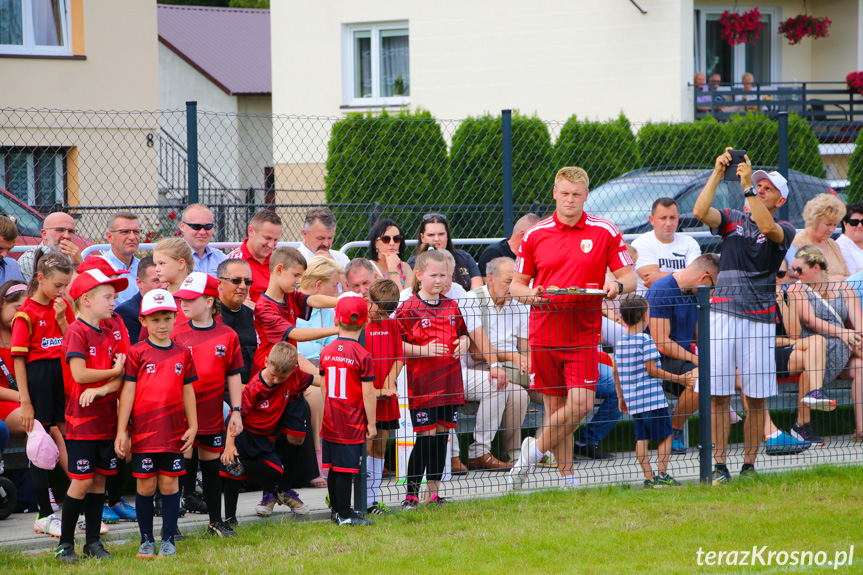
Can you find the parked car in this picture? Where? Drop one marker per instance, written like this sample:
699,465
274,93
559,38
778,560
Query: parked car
29,222
627,200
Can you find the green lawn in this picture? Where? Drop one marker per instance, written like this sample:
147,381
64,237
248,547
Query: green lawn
605,530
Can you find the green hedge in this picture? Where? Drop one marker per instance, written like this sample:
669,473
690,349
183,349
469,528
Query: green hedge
398,159
688,144
604,149
759,136
855,173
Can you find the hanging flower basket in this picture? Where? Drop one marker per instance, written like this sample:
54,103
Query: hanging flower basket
855,82
804,26
740,28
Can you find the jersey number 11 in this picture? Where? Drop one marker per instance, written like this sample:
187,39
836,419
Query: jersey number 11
342,381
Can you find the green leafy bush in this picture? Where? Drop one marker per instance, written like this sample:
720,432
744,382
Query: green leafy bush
604,149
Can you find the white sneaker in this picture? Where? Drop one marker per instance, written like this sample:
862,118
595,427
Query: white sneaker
48,525
524,466
82,526
567,485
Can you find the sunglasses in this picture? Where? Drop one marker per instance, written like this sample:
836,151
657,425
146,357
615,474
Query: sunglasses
798,271
428,217
853,222
238,281
781,273
387,239
199,227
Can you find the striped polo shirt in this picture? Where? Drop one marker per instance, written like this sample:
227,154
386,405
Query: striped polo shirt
640,391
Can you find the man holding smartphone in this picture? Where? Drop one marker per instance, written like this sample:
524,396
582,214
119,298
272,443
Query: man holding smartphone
742,328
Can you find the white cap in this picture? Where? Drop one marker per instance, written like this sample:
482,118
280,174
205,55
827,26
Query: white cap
157,300
775,178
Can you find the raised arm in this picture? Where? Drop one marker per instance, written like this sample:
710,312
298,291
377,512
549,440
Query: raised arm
704,210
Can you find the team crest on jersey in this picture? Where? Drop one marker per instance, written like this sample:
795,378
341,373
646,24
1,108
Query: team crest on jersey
178,368
147,464
221,350
92,350
452,321
117,336
150,367
265,404
178,464
760,239
425,322
113,464
83,465
422,417
586,246
739,229
341,348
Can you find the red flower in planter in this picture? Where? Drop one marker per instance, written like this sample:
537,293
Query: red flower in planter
740,28
855,82
804,26
173,215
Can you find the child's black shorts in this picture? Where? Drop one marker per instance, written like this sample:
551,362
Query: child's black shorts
90,456
343,457
214,443
146,465
254,447
47,393
427,418
295,418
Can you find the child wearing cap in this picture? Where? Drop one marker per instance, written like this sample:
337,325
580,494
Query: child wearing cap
218,359
349,406
156,395
96,369
266,410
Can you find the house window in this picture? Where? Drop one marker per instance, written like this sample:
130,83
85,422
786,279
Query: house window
713,55
36,176
35,27
376,64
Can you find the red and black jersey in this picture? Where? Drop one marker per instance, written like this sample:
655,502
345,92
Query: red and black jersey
158,416
432,381
384,342
98,348
6,356
274,321
345,364
35,331
117,327
216,353
263,405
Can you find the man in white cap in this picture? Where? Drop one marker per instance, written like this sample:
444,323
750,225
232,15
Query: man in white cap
742,328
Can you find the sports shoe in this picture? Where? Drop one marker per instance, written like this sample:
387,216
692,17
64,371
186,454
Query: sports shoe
54,507
548,461
378,508
436,500
48,525
524,466
109,515
721,477
194,503
649,484
82,526
147,550
167,549
96,550
124,511
291,499
748,472
591,452
231,522
664,480
354,520
806,432
409,504
784,444
221,529
66,553
677,444
265,507
817,399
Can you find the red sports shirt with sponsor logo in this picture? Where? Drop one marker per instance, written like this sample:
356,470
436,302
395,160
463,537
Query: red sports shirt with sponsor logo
274,321
432,381
216,353
98,347
384,342
346,365
557,254
35,332
158,416
260,271
263,405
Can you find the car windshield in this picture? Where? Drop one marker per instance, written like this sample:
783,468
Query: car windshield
29,223
626,203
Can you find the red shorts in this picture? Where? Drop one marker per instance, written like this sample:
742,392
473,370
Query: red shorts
554,371
7,407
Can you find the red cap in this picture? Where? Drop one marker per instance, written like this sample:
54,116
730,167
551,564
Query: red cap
352,309
197,284
97,262
94,278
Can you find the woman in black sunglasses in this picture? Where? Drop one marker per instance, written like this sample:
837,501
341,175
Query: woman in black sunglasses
851,241
434,230
387,252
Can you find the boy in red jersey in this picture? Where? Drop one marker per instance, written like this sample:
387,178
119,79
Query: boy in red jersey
91,409
156,394
384,342
266,412
349,406
217,356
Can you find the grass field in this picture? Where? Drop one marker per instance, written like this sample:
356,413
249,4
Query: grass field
605,530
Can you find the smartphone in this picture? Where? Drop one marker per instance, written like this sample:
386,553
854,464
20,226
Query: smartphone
731,170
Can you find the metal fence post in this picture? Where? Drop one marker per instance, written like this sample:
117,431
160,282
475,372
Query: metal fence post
782,122
705,435
192,149
360,503
506,145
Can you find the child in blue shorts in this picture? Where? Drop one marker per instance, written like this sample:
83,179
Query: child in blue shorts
638,379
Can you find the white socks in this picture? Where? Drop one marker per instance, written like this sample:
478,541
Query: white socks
570,481
375,469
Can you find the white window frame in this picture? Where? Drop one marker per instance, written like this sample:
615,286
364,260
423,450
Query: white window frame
59,184
739,65
374,28
29,47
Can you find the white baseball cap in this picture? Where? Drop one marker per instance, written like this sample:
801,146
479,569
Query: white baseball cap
775,178
158,300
